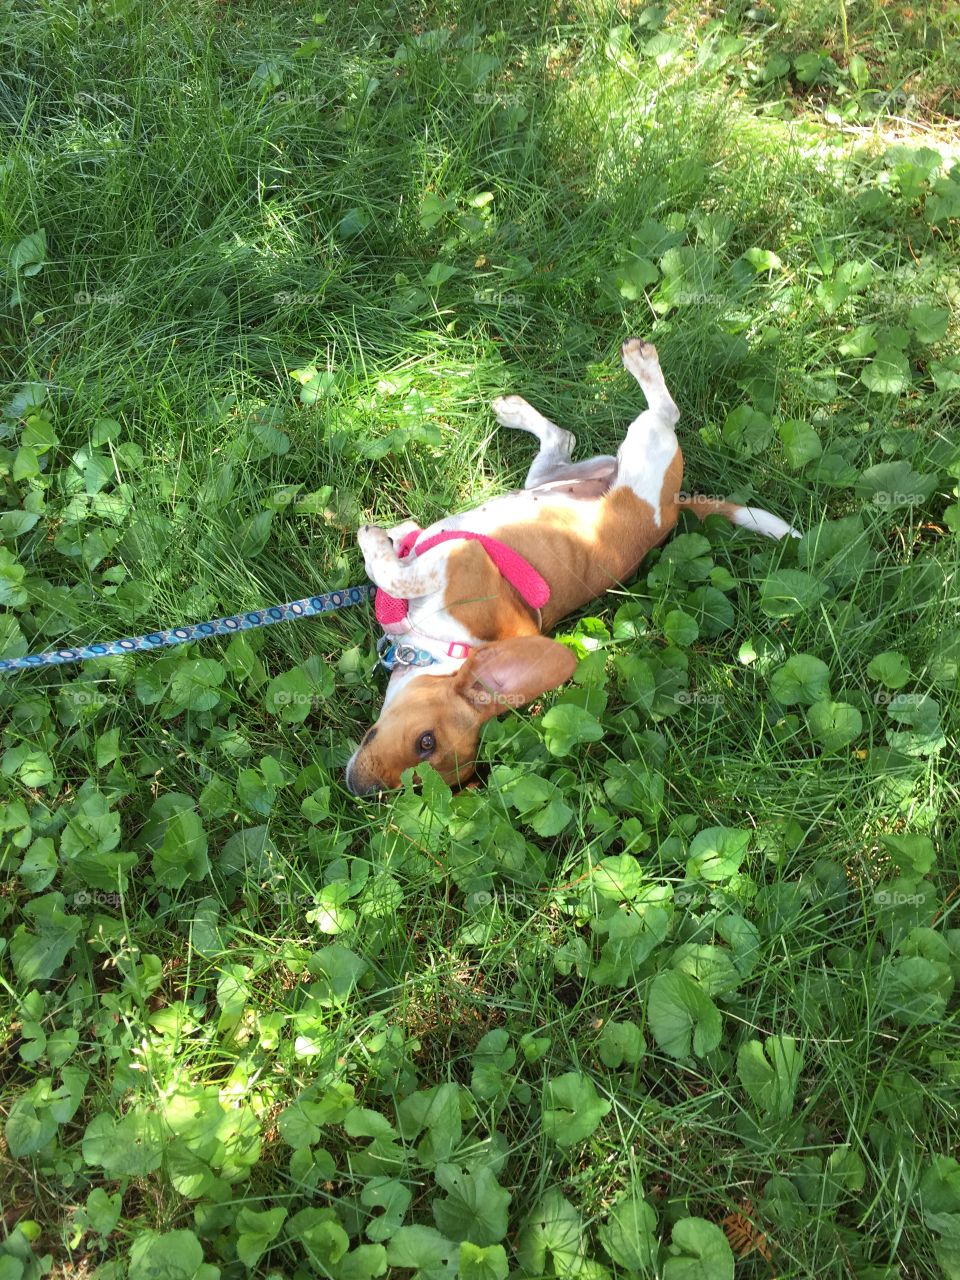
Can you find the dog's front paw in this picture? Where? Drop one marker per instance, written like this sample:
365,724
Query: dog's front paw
401,531
375,545
511,411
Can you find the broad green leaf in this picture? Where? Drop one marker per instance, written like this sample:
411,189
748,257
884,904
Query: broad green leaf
679,628
629,1233
434,209
710,609
913,854
256,1232
313,387
29,1126
420,1249
770,1074
37,956
716,853
253,534
128,1147
834,724
929,323
801,444
620,1043
353,222
29,254
748,430
61,1045
364,1123
567,726
619,878
475,1207
850,278
913,990
492,1059
271,441
477,1263
845,1170
196,682
701,1252
34,768
891,668
632,277
365,1262
860,343
711,966
890,485
686,557
295,693
919,731
788,592
439,274
682,1016
943,203
837,551
13,524
172,1255
888,373
802,679
183,854
12,575
939,1199
321,1236
946,373
813,67
102,1211
553,1230
763,259
571,1108
337,970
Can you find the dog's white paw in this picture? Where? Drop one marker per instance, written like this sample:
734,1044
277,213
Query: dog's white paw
641,359
513,411
400,531
375,546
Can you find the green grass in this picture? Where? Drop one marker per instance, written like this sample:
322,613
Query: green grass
251,1025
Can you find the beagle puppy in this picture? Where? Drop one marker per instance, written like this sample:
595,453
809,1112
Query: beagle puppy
464,603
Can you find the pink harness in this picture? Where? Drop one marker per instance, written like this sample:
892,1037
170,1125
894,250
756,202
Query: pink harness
520,573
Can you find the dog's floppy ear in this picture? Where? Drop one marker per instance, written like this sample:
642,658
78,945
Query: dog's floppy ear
511,673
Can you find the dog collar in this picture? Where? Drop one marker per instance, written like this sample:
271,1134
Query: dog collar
395,653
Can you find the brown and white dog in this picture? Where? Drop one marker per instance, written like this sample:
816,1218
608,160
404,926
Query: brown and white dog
580,526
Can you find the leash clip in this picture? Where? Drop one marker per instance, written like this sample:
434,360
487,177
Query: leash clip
392,653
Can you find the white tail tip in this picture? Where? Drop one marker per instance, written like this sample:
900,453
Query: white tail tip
764,522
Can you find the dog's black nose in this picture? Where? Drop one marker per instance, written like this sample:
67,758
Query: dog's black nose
357,785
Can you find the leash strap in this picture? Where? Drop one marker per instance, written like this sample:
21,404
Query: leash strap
309,607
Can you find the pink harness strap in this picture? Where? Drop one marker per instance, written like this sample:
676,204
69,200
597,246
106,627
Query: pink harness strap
519,572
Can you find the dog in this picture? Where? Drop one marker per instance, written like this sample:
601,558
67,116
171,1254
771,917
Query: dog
464,603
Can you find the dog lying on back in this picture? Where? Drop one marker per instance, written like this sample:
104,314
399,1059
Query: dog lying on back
463,603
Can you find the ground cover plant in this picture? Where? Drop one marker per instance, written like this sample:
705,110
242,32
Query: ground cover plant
672,994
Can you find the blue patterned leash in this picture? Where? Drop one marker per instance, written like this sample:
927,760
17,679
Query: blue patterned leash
309,607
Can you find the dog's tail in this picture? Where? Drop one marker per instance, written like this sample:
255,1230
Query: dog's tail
760,521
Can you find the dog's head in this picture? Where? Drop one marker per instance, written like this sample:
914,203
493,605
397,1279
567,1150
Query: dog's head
437,719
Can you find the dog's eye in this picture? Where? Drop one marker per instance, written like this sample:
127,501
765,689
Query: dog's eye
426,744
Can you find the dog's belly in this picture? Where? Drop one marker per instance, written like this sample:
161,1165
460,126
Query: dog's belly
530,505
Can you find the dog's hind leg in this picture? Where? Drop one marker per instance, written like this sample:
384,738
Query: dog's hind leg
649,460
556,445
